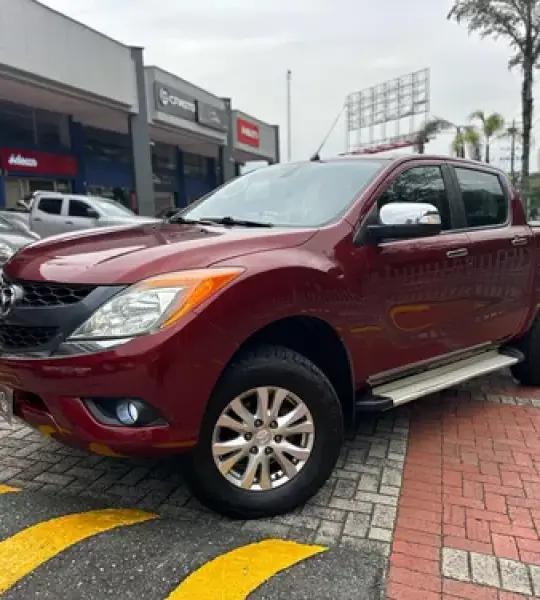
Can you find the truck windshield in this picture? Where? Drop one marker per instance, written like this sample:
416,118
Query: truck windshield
291,195
111,208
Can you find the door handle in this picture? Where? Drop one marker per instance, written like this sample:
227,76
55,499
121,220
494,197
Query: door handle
459,253
37,219
520,241
69,222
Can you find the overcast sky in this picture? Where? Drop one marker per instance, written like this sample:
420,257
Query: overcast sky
243,48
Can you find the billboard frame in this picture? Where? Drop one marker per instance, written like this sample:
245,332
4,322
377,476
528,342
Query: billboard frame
391,102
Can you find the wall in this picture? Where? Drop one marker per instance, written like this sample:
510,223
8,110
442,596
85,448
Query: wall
38,40
267,143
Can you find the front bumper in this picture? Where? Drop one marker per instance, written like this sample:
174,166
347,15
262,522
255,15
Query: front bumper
174,371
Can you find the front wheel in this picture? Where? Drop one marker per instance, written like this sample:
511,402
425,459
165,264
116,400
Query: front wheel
270,438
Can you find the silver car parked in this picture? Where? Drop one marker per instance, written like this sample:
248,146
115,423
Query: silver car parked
52,213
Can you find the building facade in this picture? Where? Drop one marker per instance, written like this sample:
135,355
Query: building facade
132,132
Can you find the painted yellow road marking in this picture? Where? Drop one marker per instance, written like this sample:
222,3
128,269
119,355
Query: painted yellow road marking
30,548
6,489
234,575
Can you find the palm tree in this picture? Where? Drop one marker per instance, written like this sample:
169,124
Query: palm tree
429,130
491,125
518,22
515,134
466,136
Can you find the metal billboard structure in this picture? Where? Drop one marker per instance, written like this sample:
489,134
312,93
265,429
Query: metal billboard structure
384,117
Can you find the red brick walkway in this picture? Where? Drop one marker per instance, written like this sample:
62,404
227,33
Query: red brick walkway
468,520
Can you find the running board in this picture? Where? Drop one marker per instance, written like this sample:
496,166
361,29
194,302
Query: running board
433,380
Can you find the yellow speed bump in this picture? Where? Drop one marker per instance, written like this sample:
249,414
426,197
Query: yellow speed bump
234,575
6,489
30,548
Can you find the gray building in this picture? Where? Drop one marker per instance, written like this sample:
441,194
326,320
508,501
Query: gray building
136,133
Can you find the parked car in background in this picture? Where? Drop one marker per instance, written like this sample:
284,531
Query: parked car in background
52,213
14,235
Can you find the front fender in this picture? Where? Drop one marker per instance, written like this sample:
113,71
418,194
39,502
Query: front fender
278,284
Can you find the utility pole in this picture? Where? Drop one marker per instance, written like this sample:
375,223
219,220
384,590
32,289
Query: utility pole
289,117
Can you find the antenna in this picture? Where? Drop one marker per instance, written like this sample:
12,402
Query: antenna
316,157
289,117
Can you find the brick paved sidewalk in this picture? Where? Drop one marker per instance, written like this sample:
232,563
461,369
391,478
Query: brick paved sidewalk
454,503
468,520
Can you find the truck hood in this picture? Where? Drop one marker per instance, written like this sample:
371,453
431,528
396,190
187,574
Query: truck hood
124,255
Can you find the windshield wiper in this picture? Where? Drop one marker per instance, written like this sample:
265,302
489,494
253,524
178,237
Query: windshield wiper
232,221
184,221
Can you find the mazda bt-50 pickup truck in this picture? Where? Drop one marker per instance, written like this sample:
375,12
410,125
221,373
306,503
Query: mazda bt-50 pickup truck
254,328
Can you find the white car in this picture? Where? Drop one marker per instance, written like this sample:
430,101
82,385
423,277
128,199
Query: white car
51,213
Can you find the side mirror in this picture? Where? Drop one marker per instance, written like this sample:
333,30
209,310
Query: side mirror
404,220
92,214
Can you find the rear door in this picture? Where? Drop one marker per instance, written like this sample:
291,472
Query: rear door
500,254
78,215
46,217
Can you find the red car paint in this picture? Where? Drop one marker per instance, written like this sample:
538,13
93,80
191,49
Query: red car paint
392,305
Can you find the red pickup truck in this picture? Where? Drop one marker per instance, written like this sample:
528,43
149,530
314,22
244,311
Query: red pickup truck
252,330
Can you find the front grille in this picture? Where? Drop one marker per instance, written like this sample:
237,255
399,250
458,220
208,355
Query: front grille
21,337
52,294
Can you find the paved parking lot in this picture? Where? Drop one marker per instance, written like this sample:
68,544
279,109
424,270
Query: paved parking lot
437,500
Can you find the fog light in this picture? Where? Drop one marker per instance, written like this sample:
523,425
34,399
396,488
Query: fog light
129,412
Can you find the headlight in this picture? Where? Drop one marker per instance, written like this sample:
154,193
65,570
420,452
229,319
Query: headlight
6,252
153,304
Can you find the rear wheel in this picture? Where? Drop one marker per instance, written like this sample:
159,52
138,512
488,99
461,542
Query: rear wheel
270,438
527,372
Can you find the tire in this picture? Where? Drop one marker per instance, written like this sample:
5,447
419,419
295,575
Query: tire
527,372
273,367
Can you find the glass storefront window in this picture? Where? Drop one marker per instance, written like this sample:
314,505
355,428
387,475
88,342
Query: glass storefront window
25,126
163,157
107,146
17,124
48,129
195,165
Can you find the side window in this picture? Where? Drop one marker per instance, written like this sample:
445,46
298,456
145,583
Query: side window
483,198
420,184
77,208
52,206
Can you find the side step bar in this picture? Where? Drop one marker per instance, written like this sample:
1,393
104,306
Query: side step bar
401,391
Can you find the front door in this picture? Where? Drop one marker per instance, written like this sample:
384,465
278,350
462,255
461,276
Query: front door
78,216
412,301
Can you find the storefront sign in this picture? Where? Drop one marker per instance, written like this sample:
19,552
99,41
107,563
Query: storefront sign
173,102
213,117
247,133
37,163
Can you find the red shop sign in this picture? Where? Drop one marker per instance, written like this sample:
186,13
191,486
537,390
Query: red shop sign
37,163
247,133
